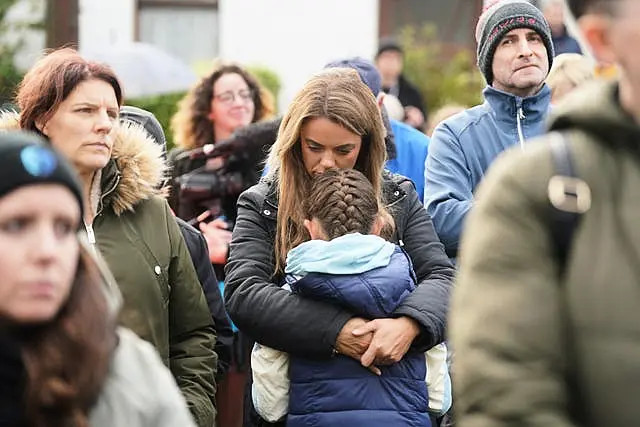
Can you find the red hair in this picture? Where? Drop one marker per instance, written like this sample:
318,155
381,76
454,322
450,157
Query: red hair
50,81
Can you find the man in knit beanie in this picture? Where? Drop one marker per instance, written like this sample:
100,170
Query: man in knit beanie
498,21
515,53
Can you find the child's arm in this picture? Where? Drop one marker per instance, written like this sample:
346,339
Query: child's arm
438,380
270,390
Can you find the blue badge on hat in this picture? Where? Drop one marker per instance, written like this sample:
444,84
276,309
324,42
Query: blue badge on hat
38,161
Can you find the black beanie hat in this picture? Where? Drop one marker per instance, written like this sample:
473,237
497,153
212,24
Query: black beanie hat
501,18
147,120
27,159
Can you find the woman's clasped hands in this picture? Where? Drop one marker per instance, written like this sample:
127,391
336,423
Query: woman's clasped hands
377,342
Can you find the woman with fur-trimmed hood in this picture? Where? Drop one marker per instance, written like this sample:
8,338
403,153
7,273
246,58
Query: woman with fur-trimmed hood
75,105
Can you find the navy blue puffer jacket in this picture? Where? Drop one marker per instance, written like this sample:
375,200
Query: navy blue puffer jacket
339,391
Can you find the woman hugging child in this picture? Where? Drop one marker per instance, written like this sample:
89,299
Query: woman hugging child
349,262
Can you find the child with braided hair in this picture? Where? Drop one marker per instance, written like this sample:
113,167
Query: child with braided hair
348,261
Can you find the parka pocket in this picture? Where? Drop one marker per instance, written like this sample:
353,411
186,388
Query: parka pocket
159,270
162,277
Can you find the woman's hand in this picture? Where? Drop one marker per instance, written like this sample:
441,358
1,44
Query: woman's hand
391,340
350,344
218,238
354,346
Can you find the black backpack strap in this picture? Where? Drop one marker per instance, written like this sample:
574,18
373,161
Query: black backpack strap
569,195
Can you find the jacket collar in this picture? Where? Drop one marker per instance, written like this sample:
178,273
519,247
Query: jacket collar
506,105
604,120
134,173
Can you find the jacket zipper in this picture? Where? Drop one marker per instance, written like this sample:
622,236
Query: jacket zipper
395,202
519,117
270,204
90,234
106,193
89,227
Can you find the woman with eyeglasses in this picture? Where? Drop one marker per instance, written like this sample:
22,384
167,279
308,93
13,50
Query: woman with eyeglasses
227,99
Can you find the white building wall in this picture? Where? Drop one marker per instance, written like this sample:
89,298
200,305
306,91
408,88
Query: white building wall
105,22
33,41
101,22
296,38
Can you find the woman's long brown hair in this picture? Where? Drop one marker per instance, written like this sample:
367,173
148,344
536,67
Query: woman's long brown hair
67,360
338,95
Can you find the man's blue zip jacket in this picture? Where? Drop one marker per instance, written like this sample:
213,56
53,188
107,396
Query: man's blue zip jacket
463,147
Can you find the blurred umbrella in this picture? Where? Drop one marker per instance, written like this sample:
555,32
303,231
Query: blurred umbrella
145,70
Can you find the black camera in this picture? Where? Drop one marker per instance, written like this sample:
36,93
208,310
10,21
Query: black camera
209,179
212,177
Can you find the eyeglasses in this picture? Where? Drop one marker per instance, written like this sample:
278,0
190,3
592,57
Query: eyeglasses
229,97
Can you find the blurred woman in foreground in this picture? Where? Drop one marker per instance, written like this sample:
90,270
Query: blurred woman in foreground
63,362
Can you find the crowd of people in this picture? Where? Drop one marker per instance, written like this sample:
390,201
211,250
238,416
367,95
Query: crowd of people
359,260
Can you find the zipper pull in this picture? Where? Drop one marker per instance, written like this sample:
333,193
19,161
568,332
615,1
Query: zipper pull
90,234
519,118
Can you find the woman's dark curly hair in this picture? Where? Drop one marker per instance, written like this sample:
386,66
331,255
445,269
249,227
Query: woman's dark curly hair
192,127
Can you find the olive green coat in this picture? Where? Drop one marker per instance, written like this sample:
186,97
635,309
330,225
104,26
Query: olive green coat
535,347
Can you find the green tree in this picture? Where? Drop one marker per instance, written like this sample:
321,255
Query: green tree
442,77
267,78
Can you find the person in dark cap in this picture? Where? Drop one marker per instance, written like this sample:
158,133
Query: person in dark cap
146,119
197,246
562,41
390,60
515,52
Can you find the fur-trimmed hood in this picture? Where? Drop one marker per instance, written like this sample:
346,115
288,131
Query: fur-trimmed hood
136,159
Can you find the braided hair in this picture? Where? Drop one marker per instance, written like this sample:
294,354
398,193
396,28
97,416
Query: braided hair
344,202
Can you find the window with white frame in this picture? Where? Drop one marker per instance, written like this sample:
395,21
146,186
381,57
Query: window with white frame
187,29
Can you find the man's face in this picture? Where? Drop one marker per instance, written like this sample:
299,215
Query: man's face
624,38
520,63
389,64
